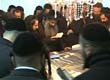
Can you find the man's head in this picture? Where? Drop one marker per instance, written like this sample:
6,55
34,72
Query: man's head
47,8
27,44
104,18
38,10
13,27
11,8
52,21
19,12
105,15
94,38
85,7
32,22
97,8
29,50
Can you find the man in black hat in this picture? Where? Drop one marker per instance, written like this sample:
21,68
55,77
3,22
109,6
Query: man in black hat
30,57
95,44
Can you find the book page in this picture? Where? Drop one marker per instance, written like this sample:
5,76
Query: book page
58,35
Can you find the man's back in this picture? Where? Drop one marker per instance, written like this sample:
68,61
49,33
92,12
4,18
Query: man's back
95,47
98,71
24,74
29,56
5,57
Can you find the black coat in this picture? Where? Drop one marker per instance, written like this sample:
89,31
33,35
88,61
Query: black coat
99,68
24,74
5,57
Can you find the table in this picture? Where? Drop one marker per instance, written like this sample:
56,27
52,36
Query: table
68,62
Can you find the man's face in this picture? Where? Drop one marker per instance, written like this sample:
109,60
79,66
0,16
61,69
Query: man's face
47,11
52,23
96,10
38,12
85,8
103,18
36,25
18,14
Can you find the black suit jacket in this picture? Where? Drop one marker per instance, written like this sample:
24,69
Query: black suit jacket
5,59
24,74
99,68
97,73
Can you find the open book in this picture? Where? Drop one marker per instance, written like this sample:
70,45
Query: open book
58,35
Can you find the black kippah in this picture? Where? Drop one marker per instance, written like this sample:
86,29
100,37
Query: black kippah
27,44
95,32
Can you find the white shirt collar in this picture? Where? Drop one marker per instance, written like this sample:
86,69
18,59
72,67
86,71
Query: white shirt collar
26,67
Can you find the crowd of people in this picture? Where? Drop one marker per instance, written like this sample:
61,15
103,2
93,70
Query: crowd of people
27,40
43,21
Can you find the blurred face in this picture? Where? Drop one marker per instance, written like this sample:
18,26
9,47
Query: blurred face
18,14
12,10
96,10
47,11
52,23
103,18
85,8
38,12
35,25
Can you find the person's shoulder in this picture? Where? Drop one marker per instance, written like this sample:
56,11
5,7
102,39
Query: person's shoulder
5,42
80,77
21,78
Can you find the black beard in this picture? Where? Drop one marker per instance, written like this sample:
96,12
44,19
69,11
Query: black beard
105,23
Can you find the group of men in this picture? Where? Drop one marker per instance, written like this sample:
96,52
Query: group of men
30,57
